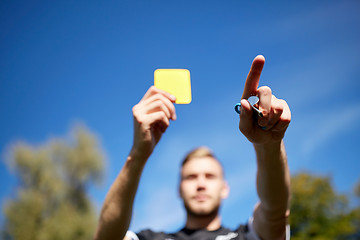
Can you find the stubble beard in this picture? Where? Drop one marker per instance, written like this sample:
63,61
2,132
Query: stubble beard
211,213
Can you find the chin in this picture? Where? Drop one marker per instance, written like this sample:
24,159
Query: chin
201,211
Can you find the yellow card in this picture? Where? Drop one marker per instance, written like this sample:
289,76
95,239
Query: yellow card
175,82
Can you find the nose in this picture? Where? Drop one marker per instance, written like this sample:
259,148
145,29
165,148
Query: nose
201,183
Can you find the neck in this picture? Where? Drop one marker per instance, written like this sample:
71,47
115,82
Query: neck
210,223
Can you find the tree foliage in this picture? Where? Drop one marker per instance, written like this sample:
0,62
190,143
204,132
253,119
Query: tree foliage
318,212
51,201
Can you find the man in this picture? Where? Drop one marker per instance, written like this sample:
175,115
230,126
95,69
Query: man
202,185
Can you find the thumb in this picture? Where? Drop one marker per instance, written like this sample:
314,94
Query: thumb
246,117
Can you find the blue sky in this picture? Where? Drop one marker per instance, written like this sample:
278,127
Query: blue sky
63,62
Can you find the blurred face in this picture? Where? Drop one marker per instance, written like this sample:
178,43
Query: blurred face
202,186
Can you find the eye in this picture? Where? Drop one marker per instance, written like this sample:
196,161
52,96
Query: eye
190,177
210,176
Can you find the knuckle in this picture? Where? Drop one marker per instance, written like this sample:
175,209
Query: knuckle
286,120
136,114
265,90
159,97
134,109
283,102
278,107
162,115
157,103
138,119
153,89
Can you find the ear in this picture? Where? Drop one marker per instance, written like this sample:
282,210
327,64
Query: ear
225,190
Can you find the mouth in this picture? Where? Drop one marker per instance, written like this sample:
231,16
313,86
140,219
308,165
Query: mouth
201,197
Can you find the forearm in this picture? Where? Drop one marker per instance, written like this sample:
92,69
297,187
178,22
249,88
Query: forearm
273,178
273,187
151,119
117,209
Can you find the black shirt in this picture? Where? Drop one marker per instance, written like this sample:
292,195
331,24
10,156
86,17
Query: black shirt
187,234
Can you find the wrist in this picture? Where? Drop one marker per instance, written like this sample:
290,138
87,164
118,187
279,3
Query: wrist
269,146
269,150
138,156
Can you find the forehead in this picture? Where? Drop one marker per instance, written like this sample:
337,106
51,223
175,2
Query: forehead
202,165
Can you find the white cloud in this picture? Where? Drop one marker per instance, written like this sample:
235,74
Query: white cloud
326,126
317,77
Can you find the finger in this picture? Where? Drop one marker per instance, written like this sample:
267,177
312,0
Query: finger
159,126
156,106
253,78
159,119
275,112
246,123
154,90
155,101
164,100
264,105
285,118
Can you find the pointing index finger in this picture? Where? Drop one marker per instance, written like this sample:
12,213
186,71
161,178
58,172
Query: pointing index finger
252,80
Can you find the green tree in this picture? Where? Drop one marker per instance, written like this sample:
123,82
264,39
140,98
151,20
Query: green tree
355,212
318,212
51,200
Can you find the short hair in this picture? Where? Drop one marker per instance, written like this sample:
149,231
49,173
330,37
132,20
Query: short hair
201,152
198,152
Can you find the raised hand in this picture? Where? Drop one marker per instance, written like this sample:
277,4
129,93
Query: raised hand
152,117
276,113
